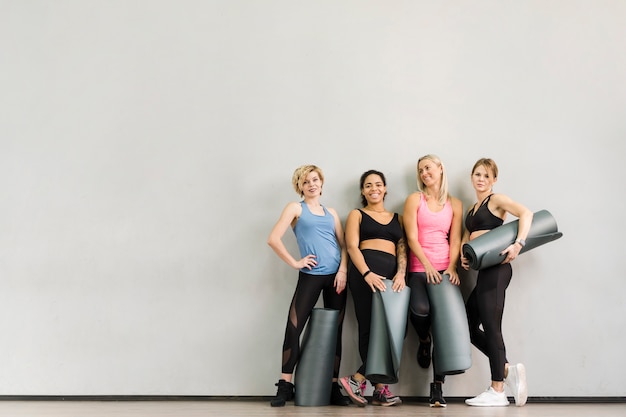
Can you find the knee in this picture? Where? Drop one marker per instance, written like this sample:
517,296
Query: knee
419,307
419,310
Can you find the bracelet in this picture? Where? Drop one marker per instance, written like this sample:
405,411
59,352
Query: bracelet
366,272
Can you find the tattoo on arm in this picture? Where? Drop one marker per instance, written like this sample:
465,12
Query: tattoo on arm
401,254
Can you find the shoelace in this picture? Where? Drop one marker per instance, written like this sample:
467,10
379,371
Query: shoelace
362,387
385,391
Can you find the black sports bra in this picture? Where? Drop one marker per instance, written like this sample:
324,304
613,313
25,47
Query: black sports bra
371,229
483,218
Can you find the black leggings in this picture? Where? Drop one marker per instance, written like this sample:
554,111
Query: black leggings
419,312
485,306
304,299
383,264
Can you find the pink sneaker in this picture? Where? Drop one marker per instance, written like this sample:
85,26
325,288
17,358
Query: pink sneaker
354,389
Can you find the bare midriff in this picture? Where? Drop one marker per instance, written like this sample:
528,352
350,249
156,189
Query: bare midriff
477,233
379,245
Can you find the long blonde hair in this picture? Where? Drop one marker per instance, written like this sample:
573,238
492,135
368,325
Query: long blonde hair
443,189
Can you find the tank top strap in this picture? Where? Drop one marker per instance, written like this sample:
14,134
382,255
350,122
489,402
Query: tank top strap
486,200
474,209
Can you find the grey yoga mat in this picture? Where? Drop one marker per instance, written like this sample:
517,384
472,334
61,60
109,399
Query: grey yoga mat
387,331
484,251
314,373
450,331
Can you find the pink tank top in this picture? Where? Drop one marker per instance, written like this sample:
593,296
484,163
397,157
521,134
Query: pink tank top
432,233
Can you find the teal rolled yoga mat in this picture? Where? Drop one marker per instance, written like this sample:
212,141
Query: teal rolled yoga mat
387,331
450,331
484,251
314,374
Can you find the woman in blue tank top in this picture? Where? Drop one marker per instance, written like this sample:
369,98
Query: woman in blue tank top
485,305
322,266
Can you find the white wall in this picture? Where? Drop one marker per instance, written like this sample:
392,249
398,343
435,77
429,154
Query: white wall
146,149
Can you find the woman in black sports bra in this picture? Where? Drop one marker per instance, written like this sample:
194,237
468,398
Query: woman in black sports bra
377,249
485,304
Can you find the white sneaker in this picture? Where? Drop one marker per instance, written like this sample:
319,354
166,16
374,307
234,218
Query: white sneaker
489,398
516,381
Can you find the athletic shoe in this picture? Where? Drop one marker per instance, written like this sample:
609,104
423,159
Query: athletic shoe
436,395
336,397
424,354
354,389
284,393
489,398
516,381
385,398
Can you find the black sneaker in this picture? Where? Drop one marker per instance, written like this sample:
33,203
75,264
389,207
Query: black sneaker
284,393
436,395
423,354
336,397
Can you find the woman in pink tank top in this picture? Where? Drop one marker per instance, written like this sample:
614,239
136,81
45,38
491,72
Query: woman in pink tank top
433,225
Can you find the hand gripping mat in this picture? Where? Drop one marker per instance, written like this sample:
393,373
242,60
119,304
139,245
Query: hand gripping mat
314,374
450,331
484,251
387,332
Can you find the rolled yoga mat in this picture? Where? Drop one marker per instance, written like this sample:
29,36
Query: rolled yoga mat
314,374
387,331
450,332
484,251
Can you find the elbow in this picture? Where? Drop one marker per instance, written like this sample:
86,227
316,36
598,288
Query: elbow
352,250
529,215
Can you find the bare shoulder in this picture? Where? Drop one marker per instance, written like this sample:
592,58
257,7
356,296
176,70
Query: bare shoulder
333,212
413,199
293,209
414,196
354,214
294,205
499,200
456,203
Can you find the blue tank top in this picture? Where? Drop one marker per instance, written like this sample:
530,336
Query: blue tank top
316,236
483,218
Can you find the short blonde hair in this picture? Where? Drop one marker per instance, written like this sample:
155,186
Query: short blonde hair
300,174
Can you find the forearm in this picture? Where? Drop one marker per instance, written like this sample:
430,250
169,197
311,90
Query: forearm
401,257
343,265
358,260
416,249
524,224
279,248
455,254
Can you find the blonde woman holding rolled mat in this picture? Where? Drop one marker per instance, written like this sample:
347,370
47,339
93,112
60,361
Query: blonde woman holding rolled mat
485,305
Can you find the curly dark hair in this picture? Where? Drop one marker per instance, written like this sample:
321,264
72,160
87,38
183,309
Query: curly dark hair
362,182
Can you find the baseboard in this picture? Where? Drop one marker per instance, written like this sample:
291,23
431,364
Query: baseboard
544,400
